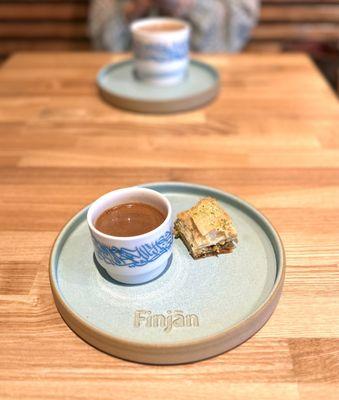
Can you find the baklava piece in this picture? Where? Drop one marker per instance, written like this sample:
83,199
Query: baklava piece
206,229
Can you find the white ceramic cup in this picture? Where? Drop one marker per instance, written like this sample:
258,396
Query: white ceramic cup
133,259
161,56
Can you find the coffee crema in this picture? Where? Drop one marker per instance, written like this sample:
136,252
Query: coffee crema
129,219
162,27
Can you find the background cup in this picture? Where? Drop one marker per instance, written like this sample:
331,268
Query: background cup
161,57
134,259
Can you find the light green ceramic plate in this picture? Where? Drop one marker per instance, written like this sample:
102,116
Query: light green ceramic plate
118,86
194,310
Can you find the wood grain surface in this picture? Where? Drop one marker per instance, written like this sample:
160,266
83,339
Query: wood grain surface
271,137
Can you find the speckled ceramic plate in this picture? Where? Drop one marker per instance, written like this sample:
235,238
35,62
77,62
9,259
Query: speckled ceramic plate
118,85
194,310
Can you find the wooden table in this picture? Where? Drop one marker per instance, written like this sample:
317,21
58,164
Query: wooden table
272,137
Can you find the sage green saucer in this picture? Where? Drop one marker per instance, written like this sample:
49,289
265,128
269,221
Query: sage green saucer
194,310
119,86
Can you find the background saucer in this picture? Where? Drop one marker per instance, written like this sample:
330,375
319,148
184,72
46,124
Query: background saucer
118,86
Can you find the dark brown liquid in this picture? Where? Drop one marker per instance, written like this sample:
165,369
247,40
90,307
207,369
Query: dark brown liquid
162,27
129,219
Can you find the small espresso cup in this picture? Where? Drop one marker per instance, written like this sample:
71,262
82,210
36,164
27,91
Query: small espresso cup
133,259
161,50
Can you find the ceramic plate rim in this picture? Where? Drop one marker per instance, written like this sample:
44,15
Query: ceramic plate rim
281,265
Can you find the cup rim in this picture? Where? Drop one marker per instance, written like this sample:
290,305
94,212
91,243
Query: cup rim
128,238
134,27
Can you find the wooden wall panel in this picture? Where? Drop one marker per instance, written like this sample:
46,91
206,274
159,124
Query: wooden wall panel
27,11
300,12
61,24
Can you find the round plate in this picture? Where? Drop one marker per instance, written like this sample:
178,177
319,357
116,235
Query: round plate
194,310
118,85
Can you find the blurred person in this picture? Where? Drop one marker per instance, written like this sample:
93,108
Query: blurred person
217,25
